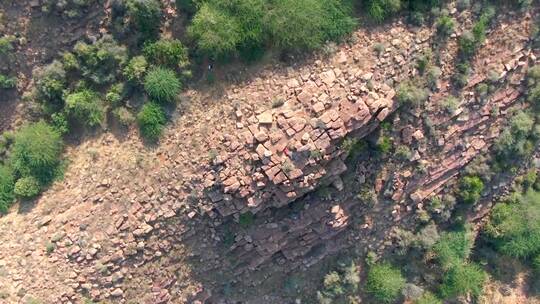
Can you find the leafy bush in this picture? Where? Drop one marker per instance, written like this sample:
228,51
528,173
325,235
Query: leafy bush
167,52
515,140
151,121
7,82
60,123
50,84
470,189
384,283
453,248
379,10
36,151
467,45
7,184
162,85
136,68
410,94
115,94
27,187
403,152
514,226
145,15
6,45
216,33
222,28
85,106
463,279
450,105
339,284
445,26
101,61
307,24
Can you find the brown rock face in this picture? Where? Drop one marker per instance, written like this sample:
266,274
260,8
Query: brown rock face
302,153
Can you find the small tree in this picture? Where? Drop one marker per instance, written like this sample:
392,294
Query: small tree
162,85
384,283
151,121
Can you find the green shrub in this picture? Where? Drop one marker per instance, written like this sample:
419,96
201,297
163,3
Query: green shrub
307,24
428,298
101,61
216,33
514,226
410,94
379,10
467,45
60,123
50,84
27,187
536,262
515,142
463,279
151,120
384,144
167,52
69,61
187,6
85,106
115,95
7,184
453,248
450,105
222,28
403,152
36,151
384,283
6,45
470,189
136,68
246,219
445,26
7,82
162,85
145,15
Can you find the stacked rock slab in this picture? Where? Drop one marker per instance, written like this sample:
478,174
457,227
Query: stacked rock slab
286,152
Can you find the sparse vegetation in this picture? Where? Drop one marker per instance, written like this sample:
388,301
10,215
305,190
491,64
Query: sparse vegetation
410,94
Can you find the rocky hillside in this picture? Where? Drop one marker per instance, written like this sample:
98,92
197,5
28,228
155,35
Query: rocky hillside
258,180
